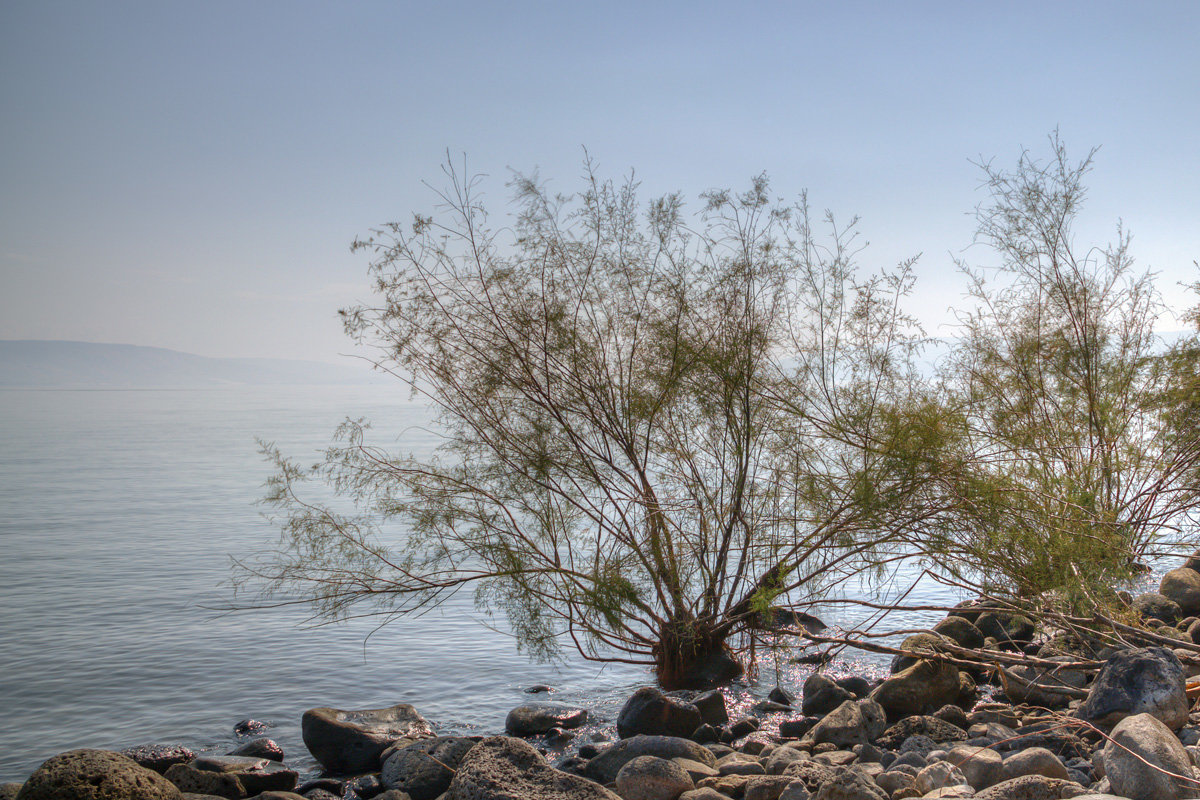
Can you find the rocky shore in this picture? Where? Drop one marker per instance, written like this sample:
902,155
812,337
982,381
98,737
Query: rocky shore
1049,728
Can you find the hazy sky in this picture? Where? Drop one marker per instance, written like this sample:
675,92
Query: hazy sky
190,175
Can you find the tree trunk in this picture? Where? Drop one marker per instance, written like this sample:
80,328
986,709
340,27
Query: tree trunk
690,656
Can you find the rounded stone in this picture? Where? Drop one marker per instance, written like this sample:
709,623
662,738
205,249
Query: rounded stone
96,775
532,719
650,778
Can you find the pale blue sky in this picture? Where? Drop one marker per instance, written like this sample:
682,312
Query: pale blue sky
190,175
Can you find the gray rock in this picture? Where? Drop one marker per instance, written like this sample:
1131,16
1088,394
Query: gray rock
981,766
1153,605
920,643
232,776
936,729
712,707
821,695
918,743
1040,686
925,686
604,767
159,757
652,713
506,768
703,794
352,741
1143,738
259,748
1034,761
8,791
850,785
1145,681
1182,586
650,778
424,769
893,780
770,788
853,722
1006,626
780,757
1031,787
532,719
938,775
812,773
95,775
960,630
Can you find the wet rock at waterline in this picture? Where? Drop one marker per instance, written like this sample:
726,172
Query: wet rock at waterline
652,713
352,741
532,719
424,769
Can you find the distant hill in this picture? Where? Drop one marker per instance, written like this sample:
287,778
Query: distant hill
86,365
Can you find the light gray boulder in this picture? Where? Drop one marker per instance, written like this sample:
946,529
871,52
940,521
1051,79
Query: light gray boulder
1034,761
938,775
1183,587
981,766
1140,753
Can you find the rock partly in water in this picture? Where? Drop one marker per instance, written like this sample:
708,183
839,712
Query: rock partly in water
232,776
506,768
712,707
424,769
1145,681
533,719
1139,754
95,775
652,713
159,757
259,748
350,742
822,695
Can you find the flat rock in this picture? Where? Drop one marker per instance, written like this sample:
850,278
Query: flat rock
232,776
261,747
352,741
506,768
532,719
1031,787
95,775
936,729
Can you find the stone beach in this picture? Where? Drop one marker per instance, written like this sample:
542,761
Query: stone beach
927,730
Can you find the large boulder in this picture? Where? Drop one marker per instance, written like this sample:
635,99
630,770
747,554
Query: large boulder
506,768
604,767
232,776
652,713
353,741
853,722
822,695
424,769
1149,680
924,687
1139,754
532,719
96,775
1182,586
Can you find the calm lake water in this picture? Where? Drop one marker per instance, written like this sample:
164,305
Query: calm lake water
118,513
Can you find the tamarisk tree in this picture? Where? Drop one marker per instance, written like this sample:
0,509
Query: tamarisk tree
1079,455
656,425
